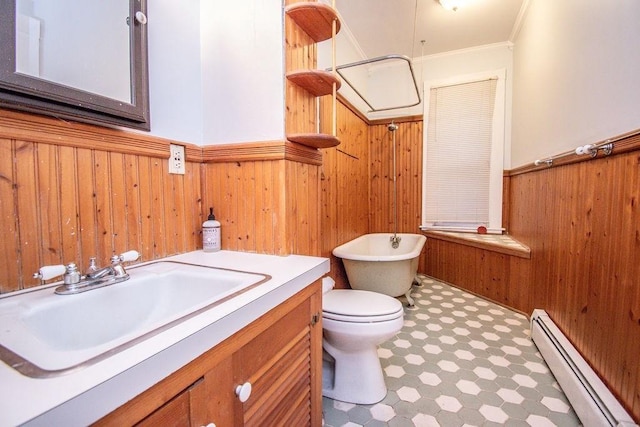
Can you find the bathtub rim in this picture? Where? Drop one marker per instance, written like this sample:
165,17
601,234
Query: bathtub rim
343,252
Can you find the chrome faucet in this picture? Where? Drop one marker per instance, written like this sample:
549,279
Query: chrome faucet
75,282
395,241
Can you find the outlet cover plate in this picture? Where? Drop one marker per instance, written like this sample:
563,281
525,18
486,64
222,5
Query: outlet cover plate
176,159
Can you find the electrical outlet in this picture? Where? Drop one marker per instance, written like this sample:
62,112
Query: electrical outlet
176,159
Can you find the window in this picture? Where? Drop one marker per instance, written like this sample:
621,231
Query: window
463,153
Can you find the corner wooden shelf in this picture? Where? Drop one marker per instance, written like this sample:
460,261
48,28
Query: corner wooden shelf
315,140
316,82
314,18
319,22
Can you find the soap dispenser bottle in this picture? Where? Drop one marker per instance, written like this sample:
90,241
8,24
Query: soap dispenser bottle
211,233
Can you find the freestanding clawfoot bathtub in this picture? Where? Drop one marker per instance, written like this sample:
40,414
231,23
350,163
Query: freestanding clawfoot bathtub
372,264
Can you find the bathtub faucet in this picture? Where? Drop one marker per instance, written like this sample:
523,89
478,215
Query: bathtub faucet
395,241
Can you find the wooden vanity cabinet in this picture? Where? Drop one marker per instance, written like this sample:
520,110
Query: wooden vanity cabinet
279,354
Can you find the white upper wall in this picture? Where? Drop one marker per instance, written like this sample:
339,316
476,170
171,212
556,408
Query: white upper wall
242,71
577,76
175,88
216,71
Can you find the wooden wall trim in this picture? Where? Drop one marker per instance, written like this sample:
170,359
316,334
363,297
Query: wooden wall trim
624,143
265,150
48,130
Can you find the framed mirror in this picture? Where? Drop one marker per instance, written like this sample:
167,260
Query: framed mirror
76,59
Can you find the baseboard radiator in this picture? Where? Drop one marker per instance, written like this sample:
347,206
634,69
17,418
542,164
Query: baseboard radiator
590,398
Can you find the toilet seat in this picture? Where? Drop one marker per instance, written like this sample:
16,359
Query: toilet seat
356,306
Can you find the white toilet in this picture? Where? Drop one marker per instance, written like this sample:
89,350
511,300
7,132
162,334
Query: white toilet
354,323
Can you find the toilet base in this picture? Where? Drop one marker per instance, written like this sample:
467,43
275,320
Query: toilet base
356,378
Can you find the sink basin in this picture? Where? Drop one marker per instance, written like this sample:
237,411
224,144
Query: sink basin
44,334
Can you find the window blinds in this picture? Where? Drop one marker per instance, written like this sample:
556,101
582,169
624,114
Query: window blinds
458,155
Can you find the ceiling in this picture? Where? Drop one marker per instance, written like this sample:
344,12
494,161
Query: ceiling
382,27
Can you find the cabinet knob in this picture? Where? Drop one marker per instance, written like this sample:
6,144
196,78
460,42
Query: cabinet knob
243,392
210,425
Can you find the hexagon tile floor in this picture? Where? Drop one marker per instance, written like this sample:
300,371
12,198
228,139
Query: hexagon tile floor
460,360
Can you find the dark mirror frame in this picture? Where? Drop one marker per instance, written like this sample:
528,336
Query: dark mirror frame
28,93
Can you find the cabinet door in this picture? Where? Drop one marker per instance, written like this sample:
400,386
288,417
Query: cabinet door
277,363
178,411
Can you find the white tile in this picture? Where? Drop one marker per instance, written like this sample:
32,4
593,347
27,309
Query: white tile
432,349
394,371
468,387
485,373
447,320
424,420
536,367
479,345
511,350
384,353
494,414
414,359
524,342
499,361
408,394
434,327
461,331
502,328
448,340
419,335
510,396
525,381
464,355
429,378
402,343
449,366
555,404
343,406
382,412
448,403
473,324
538,421
490,336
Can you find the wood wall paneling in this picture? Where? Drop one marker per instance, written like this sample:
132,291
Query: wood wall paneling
344,185
61,204
582,223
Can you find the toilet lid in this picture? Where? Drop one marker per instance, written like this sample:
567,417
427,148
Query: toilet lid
351,305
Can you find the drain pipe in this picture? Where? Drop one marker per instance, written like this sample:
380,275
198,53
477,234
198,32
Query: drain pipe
395,240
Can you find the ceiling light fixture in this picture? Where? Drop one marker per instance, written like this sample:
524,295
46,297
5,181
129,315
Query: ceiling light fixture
451,4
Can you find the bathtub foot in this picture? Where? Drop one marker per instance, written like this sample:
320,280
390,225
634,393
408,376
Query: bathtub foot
410,301
417,280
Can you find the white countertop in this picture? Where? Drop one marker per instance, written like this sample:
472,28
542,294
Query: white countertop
85,395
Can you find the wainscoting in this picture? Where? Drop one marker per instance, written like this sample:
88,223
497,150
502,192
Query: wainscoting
582,223
71,191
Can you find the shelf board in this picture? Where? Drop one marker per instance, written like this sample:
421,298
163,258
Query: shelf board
316,82
314,18
316,140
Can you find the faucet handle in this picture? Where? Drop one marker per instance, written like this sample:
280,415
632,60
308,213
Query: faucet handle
93,266
49,272
129,256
